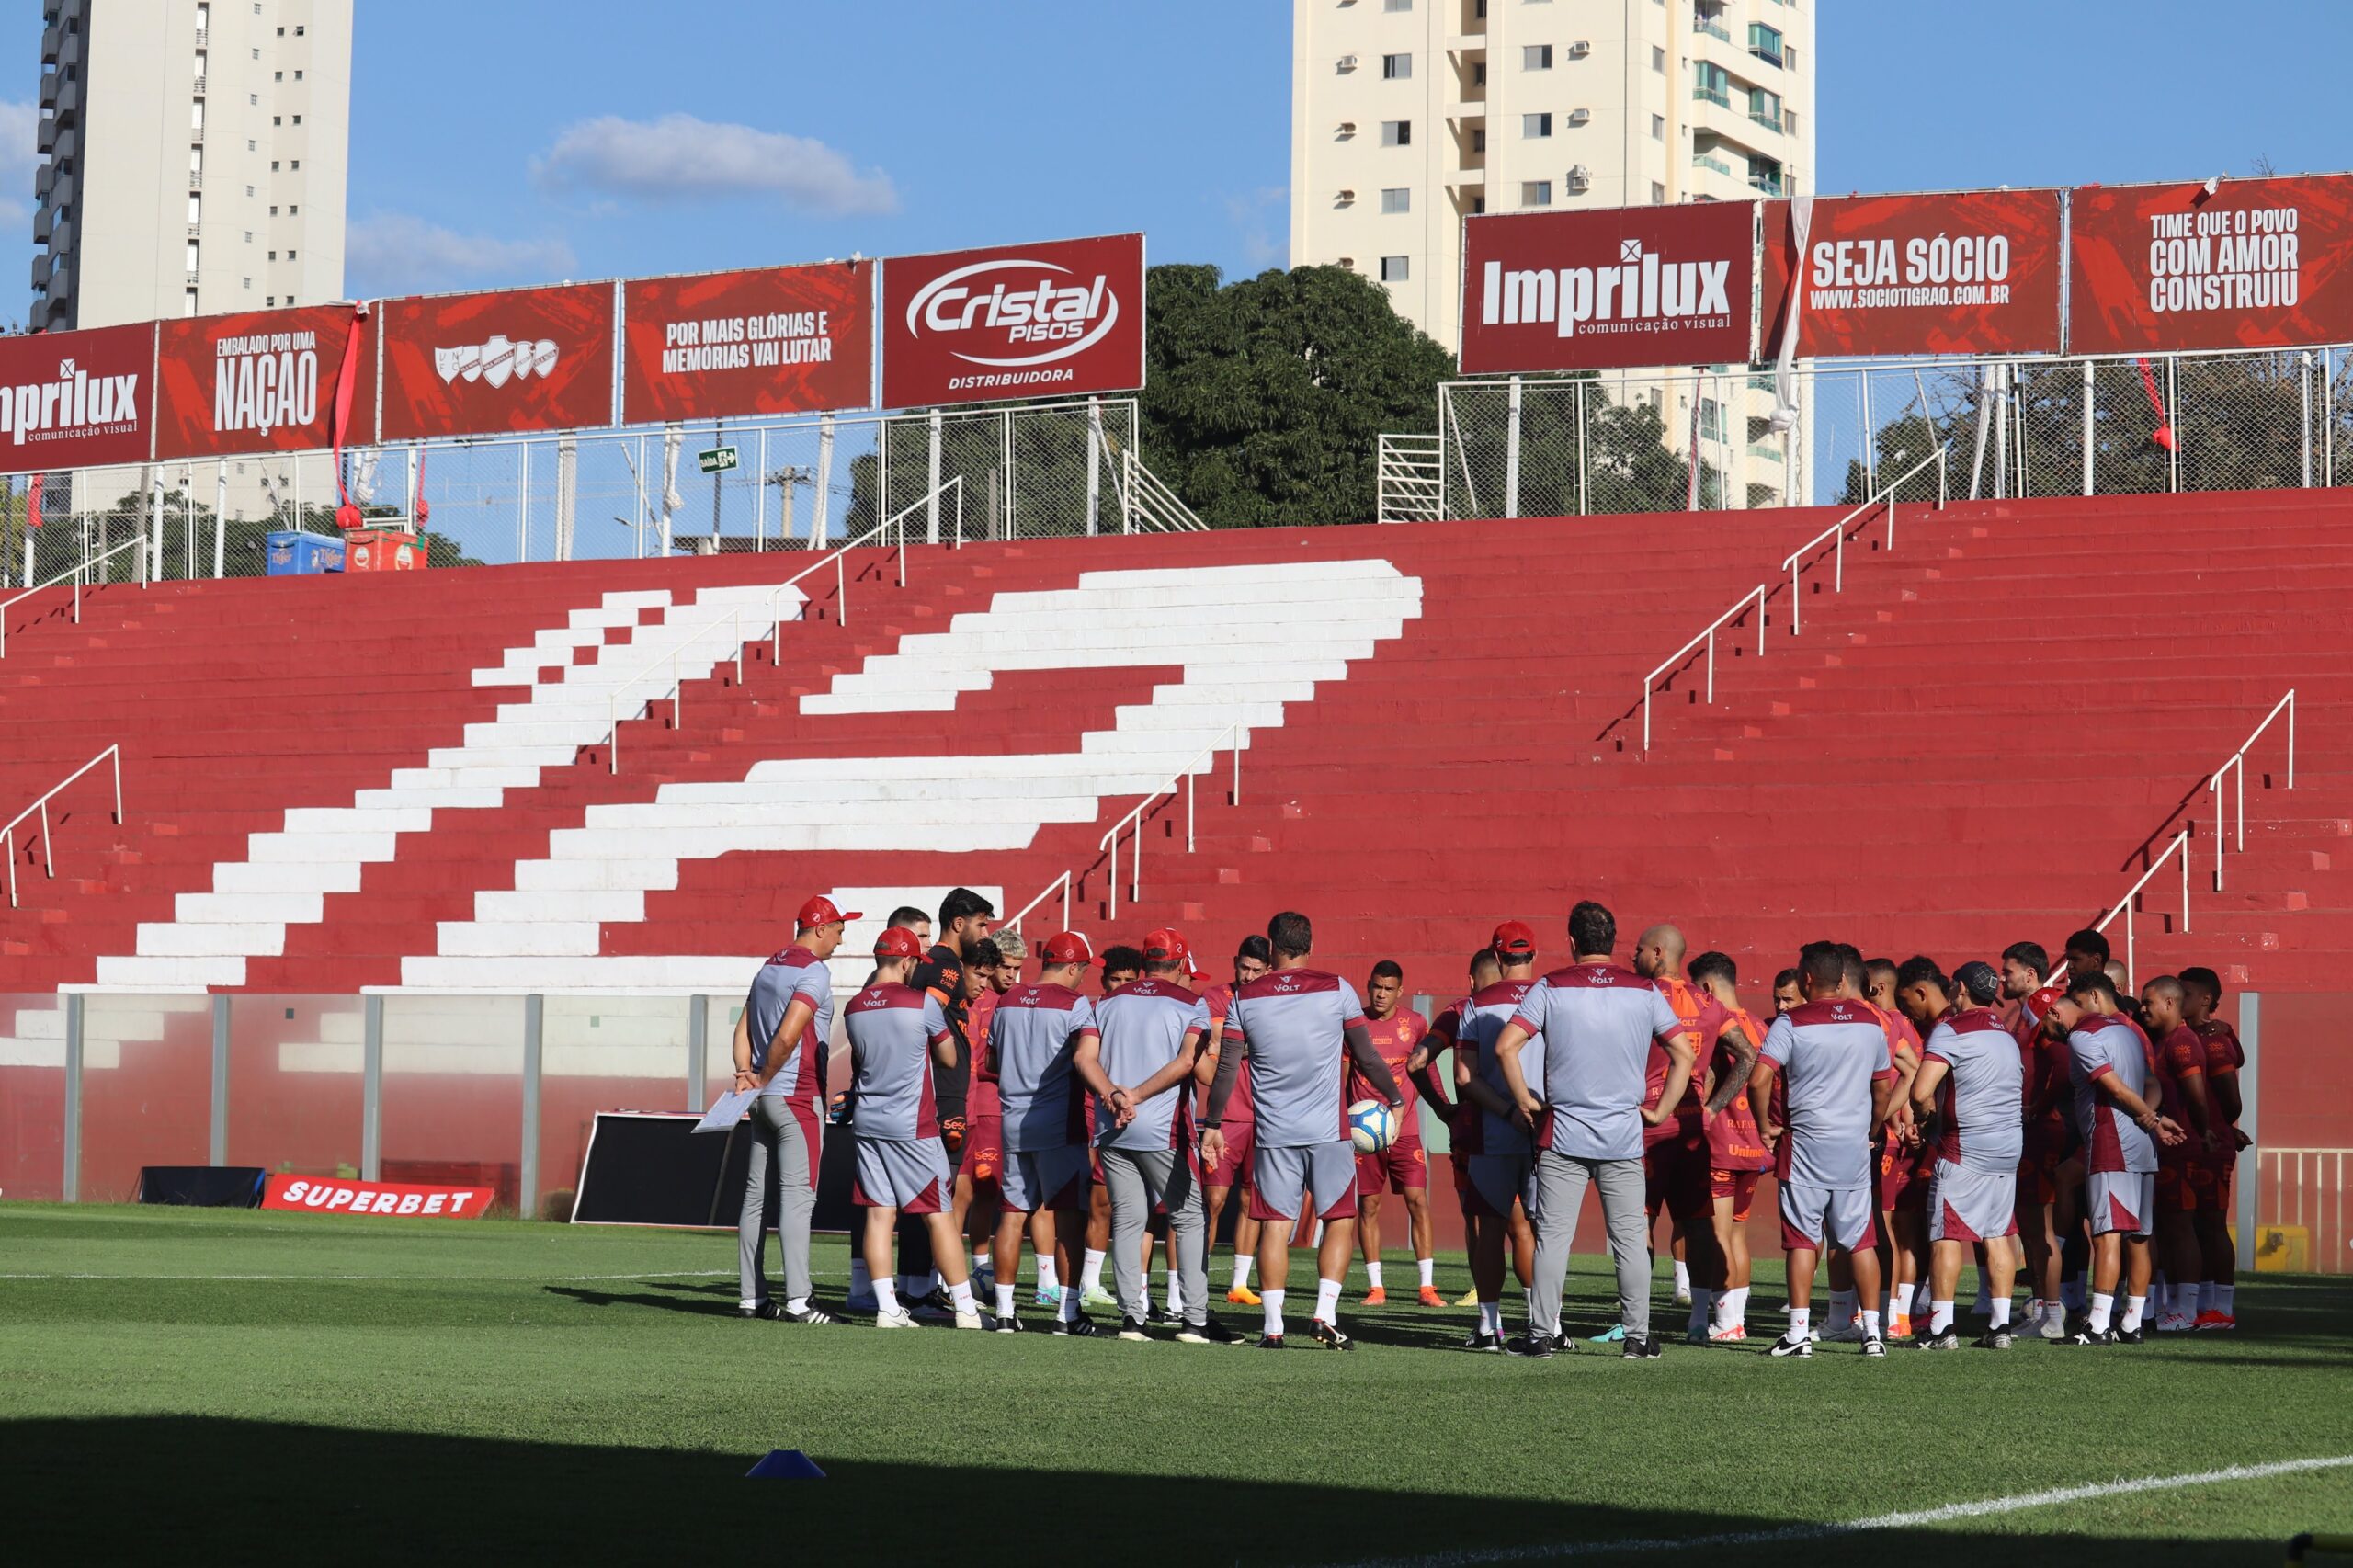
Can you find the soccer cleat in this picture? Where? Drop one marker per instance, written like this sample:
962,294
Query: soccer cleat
2216,1321
937,1307
1695,1336
1534,1347
1484,1341
2074,1323
2128,1336
897,1317
1096,1296
2089,1335
1241,1296
1900,1327
970,1321
1079,1327
1648,1348
1469,1298
1376,1297
1269,1342
1164,1318
1800,1346
1613,1335
810,1315
1209,1333
1131,1329
2177,1323
1010,1322
1430,1297
1046,1296
1682,1298
1329,1337
1874,1346
2054,1328
771,1310
1994,1339
1731,1336
1948,1340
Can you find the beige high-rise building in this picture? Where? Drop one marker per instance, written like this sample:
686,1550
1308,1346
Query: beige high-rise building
196,158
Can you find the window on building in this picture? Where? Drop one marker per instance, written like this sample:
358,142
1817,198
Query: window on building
273,212
195,209
199,65
193,252
277,119
1658,59
1477,204
1535,193
1712,83
1789,121
1658,128
273,255
1765,42
1479,139
1478,72
196,163
1397,4
273,166
1535,126
290,255
253,99
196,114
1396,132
256,54
1396,269
282,32
291,212
298,30
249,236
295,164
298,119
1765,107
272,300
1710,419
1397,198
1536,57
1658,194
277,76
1765,174
190,309
1396,67
297,75
203,14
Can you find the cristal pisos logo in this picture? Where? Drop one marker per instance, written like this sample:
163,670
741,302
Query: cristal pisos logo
1015,312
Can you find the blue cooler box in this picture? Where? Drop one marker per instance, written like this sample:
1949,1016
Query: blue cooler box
295,554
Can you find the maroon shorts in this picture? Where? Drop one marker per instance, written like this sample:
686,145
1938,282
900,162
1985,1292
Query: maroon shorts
2176,1190
1674,1177
1402,1165
984,1156
2210,1180
1738,1186
1232,1168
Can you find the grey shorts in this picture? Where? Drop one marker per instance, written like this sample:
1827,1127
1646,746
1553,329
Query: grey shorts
1280,1180
1841,1216
1496,1179
1045,1178
908,1175
2122,1202
1972,1206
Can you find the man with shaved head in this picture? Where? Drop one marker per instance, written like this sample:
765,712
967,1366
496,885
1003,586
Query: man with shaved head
2182,1096
1675,1152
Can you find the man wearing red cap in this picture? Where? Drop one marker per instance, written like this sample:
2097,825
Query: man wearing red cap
1034,1037
782,1041
898,1038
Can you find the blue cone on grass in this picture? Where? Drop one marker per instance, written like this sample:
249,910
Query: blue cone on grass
785,1464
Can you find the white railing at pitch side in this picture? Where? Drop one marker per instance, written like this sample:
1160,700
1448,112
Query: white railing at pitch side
2308,1190
79,571
48,856
2238,766
1146,499
1062,884
2180,848
1835,534
1230,738
1411,486
1756,598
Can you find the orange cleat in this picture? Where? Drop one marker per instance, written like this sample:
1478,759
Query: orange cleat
1376,1297
1241,1296
2207,1322
1899,1327
1430,1297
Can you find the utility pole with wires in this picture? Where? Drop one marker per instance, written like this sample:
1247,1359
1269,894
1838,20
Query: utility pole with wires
786,479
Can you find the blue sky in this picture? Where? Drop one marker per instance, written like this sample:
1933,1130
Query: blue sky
501,141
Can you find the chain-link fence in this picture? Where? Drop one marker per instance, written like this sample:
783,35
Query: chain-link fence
1028,470
1631,441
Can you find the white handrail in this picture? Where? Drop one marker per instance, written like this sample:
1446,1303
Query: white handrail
2180,846
78,572
841,585
1148,497
2237,766
1062,884
1836,532
1754,596
1109,843
48,855
677,686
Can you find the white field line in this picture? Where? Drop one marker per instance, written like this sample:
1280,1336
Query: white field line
413,1279
1949,1512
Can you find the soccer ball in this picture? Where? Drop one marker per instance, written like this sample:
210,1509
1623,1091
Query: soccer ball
1372,1126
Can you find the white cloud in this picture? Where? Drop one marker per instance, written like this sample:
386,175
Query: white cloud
681,158
397,253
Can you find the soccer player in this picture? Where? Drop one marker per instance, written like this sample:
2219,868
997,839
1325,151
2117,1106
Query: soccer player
964,917
1674,1154
1493,1153
2182,1096
2112,1066
1906,1169
1836,1063
1122,965
1972,1083
780,1045
2028,991
1300,1027
1034,1037
1232,1168
1788,992
1404,1167
1140,1068
1736,1153
1594,1024
913,1240
2201,994
898,1037
978,1196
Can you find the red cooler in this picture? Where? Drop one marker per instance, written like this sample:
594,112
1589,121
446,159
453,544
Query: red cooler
381,549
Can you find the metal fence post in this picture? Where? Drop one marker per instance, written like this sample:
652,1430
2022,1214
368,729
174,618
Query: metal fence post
2250,1165
527,1183
2304,421
371,1088
1094,453
2091,393
1511,451
1585,505
70,1178
219,1146
220,518
697,1045
931,512
2173,418
523,503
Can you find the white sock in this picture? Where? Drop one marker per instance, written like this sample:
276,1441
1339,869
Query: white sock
983,1262
2001,1309
1736,1309
2225,1292
1528,1302
1067,1309
886,1296
1175,1294
1242,1261
798,1304
1842,1309
1093,1273
1372,1272
1491,1317
2160,1289
2102,1304
861,1281
2134,1307
1004,1300
1922,1299
960,1296
747,1303
1271,1302
1682,1279
1430,1272
1049,1275
1939,1316
1327,1300
1870,1325
2193,1301
1801,1319
1703,1302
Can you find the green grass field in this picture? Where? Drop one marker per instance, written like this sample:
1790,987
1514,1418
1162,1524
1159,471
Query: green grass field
246,1386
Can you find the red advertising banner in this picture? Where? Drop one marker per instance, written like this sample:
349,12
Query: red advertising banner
392,1199
1627,285
259,381
1958,272
2258,264
516,359
777,340
1060,319
76,399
